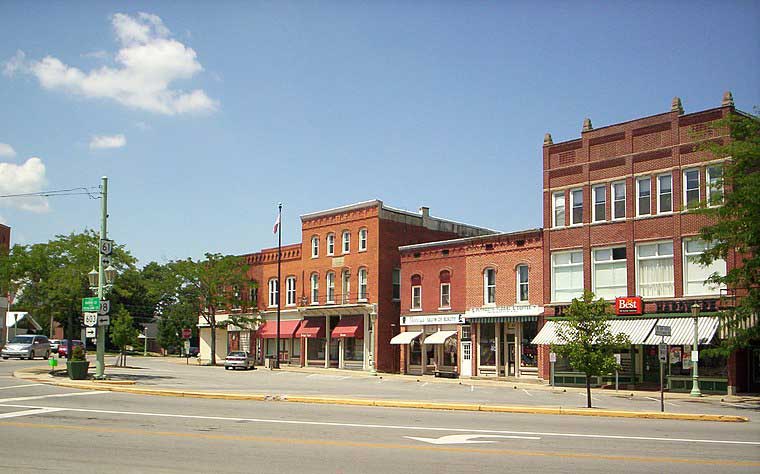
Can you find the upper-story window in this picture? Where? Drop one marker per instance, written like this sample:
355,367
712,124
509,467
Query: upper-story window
654,269
346,241
715,185
489,286
445,289
416,293
362,240
362,284
576,202
253,296
330,244
567,275
330,287
314,288
665,193
522,284
290,291
609,273
346,286
558,203
695,275
644,193
274,292
396,281
600,203
691,188
618,200
315,247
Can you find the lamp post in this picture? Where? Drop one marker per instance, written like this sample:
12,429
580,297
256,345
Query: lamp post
695,354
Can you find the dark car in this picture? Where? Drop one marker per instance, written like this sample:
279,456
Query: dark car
63,347
193,352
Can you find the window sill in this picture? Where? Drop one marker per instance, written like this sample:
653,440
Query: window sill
364,250
361,300
444,308
415,310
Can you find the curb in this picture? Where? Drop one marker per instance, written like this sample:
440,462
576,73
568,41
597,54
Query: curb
110,387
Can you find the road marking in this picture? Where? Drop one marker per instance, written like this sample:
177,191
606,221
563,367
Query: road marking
527,393
466,439
393,427
55,395
424,384
35,411
20,386
323,442
472,388
657,400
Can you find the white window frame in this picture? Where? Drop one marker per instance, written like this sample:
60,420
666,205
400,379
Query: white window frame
613,201
416,303
362,294
638,271
363,239
315,246
719,185
447,303
572,206
611,262
274,293
594,215
346,286
314,293
638,195
487,286
520,283
685,182
716,289
330,283
290,291
660,193
560,194
346,241
554,265
331,243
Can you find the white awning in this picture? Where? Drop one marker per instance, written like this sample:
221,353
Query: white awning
547,334
439,337
682,331
637,330
405,337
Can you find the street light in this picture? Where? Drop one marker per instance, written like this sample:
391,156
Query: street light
695,354
110,272
93,277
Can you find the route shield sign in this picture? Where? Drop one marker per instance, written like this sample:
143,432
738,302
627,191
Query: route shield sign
90,319
106,246
90,304
105,307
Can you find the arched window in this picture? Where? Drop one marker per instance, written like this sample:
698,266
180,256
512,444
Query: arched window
315,246
330,244
489,286
346,241
290,291
274,292
362,239
416,293
331,287
522,283
362,284
445,285
314,288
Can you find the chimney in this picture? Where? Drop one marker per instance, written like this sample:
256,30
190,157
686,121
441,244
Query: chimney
728,99
548,139
425,211
676,106
587,127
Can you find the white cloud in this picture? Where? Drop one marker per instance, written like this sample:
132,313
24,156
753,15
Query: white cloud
28,177
101,142
7,151
147,63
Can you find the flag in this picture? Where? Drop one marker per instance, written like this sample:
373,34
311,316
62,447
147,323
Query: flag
276,224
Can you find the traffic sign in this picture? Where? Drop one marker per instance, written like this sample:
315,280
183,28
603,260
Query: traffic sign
90,319
90,332
552,357
106,246
106,260
90,304
105,307
104,320
618,358
662,330
663,352
187,347
187,333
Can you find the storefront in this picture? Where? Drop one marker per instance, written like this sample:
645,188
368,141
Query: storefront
349,332
503,340
336,340
430,344
290,346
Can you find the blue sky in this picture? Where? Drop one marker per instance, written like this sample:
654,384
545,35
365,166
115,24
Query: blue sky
205,114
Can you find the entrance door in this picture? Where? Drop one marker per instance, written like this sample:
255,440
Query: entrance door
466,369
509,353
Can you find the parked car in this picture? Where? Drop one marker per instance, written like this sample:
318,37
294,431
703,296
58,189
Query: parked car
193,352
27,346
64,347
54,343
240,359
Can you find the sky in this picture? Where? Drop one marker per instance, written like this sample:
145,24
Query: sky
205,115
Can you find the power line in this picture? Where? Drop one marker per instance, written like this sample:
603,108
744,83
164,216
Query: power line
93,192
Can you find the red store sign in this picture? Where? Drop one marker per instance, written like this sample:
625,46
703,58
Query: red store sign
629,305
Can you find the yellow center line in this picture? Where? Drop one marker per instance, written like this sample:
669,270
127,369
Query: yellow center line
355,444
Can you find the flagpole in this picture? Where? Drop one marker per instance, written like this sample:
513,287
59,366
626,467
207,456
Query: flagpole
279,299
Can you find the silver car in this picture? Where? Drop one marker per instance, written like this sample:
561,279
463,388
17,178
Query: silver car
241,359
27,346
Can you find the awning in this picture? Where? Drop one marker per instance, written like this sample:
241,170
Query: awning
637,330
287,329
547,334
311,328
349,326
682,331
502,314
439,337
405,337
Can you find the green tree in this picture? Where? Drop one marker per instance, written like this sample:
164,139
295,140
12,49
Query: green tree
216,283
123,334
586,340
736,232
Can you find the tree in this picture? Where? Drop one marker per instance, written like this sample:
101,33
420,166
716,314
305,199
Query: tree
216,282
737,228
586,340
123,334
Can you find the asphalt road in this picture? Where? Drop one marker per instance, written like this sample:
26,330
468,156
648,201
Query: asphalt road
46,427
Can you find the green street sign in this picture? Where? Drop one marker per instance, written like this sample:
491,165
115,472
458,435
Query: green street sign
90,304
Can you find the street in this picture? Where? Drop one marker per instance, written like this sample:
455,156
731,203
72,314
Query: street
88,431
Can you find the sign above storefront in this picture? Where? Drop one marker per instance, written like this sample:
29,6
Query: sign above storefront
432,319
629,305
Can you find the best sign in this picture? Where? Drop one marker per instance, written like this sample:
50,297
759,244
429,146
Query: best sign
629,305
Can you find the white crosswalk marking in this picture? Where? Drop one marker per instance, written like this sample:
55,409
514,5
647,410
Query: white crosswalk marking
56,395
34,411
21,386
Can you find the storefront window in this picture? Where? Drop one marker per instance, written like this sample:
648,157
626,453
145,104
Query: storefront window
296,348
353,349
450,352
487,344
429,352
316,350
529,356
415,353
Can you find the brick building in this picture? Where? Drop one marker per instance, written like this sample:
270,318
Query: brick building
619,220
471,306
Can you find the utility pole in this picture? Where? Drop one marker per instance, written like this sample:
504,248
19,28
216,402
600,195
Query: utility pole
102,330
279,261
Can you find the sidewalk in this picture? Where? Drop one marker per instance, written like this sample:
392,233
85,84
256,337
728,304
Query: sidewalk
171,377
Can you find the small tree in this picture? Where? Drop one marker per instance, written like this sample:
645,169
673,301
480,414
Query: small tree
123,333
586,340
